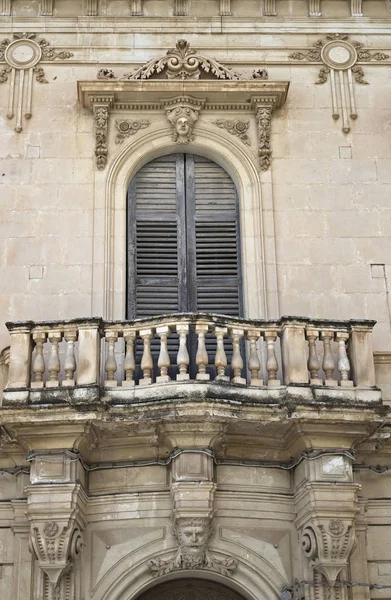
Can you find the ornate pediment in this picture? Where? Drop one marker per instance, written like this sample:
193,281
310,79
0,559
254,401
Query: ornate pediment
180,62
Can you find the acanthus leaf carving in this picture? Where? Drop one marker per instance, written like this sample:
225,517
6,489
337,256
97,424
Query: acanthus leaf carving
192,535
180,62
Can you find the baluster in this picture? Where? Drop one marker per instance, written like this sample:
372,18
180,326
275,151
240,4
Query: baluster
343,361
129,336
111,363
70,336
328,361
221,357
164,358
237,360
54,359
39,338
271,362
183,355
313,358
202,355
254,364
146,360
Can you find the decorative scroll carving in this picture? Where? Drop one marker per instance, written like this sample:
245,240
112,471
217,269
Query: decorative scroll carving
340,58
180,62
55,546
127,128
22,56
328,545
261,74
182,113
192,535
235,127
264,120
101,117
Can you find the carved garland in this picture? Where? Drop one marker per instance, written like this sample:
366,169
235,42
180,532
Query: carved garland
22,57
340,57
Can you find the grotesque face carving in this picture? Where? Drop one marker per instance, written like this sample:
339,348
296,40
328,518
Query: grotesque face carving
193,535
182,119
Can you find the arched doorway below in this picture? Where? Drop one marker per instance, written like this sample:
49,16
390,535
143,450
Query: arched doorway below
190,589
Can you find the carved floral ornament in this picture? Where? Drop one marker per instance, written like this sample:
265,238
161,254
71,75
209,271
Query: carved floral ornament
183,85
340,58
22,56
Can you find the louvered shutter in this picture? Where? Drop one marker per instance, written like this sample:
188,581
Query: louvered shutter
155,265
183,239
214,231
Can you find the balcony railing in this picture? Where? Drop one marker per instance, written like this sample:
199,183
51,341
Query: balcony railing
189,347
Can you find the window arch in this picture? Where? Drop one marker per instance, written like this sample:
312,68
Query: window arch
183,239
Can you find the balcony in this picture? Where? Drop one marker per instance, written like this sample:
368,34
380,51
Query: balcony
190,356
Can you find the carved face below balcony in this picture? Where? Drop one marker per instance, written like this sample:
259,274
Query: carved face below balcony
193,535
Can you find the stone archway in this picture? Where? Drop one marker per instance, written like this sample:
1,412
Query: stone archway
190,589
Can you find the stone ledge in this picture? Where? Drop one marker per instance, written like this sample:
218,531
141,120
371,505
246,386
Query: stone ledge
191,391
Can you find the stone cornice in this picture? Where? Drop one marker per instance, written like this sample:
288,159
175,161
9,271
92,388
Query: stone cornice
146,93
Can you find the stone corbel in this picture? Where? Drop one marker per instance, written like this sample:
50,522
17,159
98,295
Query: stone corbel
101,109
328,543
55,544
56,528
263,114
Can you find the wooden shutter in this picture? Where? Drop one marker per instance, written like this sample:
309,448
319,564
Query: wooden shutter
213,228
183,239
155,211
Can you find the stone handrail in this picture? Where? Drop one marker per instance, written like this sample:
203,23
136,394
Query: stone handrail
309,352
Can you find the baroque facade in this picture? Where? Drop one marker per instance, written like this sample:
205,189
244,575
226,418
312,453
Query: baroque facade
174,178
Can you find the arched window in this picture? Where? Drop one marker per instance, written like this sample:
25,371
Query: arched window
183,239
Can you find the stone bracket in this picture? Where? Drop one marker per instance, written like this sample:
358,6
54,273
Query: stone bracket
101,109
55,512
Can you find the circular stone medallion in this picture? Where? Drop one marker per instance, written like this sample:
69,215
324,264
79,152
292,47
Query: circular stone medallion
339,55
23,54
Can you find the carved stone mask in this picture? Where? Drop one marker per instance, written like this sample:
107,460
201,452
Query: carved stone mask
182,119
193,535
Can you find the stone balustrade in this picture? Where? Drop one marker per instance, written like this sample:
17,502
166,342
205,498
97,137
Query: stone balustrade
190,347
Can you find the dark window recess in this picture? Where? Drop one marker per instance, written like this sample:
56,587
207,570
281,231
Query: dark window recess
183,244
